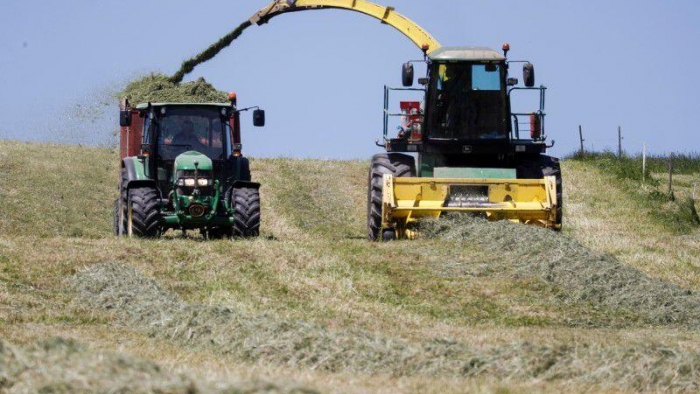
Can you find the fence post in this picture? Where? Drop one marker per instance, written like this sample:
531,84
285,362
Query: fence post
670,175
580,136
644,163
619,141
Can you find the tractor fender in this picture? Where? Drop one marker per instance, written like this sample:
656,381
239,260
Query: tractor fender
246,185
135,173
239,168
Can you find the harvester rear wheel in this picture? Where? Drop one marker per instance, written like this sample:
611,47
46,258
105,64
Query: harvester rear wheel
246,202
142,213
396,164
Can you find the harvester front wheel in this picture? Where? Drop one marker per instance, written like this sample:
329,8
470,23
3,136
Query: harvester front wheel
142,213
395,164
551,167
246,203
546,166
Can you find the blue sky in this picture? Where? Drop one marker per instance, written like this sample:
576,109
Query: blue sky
320,74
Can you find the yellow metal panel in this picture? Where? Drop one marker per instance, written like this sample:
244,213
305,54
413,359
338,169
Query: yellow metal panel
524,200
387,15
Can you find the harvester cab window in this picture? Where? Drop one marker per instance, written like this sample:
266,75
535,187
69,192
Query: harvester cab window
486,78
467,102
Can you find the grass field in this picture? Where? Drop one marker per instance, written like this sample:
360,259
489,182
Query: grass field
610,305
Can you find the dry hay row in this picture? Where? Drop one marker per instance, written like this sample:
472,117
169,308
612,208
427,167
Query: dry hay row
64,366
137,300
581,275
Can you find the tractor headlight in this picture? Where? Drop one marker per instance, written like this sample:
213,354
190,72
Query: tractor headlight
190,182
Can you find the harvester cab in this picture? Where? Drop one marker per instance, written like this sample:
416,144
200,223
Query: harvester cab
183,168
463,149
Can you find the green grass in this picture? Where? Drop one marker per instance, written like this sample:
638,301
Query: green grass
675,213
312,265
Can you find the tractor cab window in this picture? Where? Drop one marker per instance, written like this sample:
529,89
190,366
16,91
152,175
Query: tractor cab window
468,102
192,129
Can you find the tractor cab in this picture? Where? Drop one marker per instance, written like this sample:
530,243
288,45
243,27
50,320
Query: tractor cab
185,133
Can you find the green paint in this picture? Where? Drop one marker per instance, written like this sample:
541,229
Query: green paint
185,162
475,173
139,167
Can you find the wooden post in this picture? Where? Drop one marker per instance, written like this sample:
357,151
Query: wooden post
619,141
644,163
670,175
580,136
695,187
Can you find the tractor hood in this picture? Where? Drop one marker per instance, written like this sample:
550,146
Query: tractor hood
185,162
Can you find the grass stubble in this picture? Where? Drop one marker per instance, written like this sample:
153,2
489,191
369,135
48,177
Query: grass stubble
281,301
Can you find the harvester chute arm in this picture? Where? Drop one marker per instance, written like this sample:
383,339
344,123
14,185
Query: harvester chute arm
387,15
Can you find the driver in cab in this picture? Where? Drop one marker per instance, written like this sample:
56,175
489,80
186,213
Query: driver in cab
187,139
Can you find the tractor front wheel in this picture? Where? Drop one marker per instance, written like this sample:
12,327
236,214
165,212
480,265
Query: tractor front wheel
143,213
246,203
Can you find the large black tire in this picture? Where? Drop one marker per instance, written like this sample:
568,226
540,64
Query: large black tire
115,223
396,164
143,213
546,166
246,203
123,199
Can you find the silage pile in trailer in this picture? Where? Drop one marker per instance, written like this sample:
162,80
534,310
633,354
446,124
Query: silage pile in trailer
140,302
65,366
579,274
158,88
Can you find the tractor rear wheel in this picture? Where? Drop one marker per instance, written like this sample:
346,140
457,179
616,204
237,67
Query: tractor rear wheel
246,203
142,213
120,205
117,217
395,164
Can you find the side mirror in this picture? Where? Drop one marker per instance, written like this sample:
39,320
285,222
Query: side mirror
259,118
407,74
124,118
512,81
423,81
529,75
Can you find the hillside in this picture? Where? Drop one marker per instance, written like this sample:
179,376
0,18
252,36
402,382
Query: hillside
612,303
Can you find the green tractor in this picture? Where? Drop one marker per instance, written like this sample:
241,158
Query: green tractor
182,168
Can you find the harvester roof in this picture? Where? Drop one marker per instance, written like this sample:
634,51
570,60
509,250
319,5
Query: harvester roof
465,54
